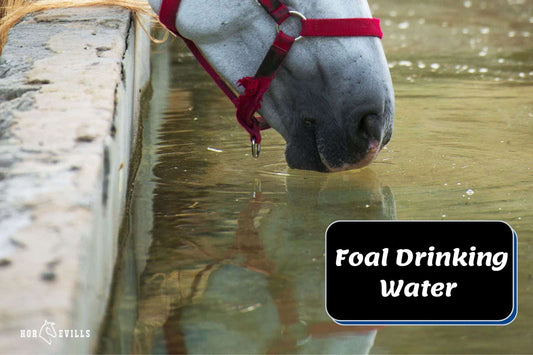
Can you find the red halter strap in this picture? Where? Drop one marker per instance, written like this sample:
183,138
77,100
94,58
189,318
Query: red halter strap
255,87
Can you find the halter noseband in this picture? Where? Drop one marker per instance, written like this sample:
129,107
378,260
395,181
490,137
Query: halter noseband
255,87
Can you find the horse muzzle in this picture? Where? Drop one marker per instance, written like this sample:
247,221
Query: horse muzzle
330,147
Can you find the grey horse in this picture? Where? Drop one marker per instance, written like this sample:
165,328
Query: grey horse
332,101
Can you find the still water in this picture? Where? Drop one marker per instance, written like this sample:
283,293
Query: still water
224,254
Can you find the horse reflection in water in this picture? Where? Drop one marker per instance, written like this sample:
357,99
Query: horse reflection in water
259,289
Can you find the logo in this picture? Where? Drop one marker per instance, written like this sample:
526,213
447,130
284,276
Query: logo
47,333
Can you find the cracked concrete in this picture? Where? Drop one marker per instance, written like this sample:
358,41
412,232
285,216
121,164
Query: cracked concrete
70,85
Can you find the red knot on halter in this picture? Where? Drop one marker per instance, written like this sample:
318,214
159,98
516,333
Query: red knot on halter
255,87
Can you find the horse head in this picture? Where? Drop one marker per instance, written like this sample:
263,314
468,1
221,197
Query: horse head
332,99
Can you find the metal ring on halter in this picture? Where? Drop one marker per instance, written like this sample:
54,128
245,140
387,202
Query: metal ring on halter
301,16
256,149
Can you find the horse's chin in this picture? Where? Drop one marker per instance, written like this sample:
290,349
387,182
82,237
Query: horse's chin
331,159
366,158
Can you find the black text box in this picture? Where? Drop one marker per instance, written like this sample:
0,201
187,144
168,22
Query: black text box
407,272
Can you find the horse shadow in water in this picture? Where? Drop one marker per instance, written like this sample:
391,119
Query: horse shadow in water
259,289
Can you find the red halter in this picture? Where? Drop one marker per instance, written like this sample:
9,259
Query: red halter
248,103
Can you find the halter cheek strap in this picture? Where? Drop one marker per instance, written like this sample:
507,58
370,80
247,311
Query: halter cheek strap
255,87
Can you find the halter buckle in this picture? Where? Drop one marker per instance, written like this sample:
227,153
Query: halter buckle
302,18
256,148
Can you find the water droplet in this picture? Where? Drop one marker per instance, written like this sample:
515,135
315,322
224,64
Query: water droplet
483,70
435,66
421,21
511,34
405,63
501,60
443,216
403,25
393,13
468,4
421,65
469,192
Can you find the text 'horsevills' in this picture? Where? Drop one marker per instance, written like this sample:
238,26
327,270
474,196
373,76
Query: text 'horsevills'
430,258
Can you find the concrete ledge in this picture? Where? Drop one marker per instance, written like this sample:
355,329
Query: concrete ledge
70,85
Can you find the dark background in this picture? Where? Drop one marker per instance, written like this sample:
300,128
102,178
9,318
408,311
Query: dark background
354,293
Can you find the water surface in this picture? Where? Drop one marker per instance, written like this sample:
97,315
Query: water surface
224,253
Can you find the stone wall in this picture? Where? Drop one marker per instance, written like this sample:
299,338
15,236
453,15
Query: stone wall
70,86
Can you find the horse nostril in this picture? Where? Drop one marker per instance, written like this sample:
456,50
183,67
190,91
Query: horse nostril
371,126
